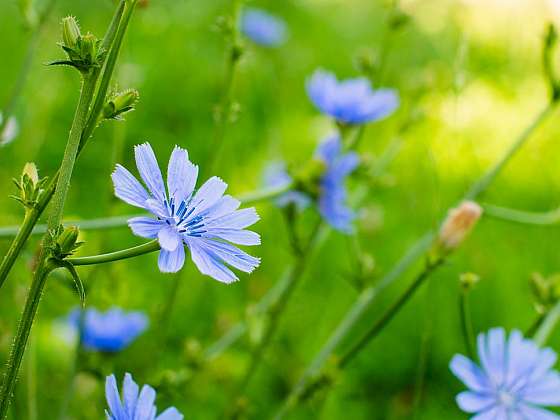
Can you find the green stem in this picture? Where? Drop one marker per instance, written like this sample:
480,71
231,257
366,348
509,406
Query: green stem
548,325
525,217
117,221
224,108
466,325
420,248
26,229
389,314
135,251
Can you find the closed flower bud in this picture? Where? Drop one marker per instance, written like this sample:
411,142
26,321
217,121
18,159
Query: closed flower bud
70,32
120,103
458,224
65,241
29,185
30,170
468,281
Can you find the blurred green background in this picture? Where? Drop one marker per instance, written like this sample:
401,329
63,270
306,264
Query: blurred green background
468,72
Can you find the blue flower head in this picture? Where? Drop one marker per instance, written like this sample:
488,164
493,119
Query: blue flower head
135,404
513,381
263,28
111,331
276,176
206,220
332,196
351,101
337,165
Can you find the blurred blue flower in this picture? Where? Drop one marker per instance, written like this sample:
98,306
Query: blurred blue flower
332,197
332,184
203,220
351,101
111,331
135,404
276,176
514,379
263,28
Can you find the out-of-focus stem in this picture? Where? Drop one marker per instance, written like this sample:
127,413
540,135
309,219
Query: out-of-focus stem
548,325
466,325
525,217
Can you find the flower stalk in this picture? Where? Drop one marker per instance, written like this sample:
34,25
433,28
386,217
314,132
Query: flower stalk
123,254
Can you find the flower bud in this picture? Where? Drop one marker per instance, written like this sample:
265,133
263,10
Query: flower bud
65,241
70,32
458,224
29,185
120,103
30,170
468,281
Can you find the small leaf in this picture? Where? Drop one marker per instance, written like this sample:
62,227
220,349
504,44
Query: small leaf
77,281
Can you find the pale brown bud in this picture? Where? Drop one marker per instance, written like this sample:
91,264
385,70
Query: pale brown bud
458,224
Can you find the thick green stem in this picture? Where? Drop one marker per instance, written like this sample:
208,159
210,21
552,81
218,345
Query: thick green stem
369,295
109,43
123,254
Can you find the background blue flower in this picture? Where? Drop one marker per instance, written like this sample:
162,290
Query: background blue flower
514,379
276,176
263,28
109,331
135,404
203,220
351,101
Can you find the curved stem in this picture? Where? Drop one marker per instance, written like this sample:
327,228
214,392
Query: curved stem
547,325
117,255
526,217
420,248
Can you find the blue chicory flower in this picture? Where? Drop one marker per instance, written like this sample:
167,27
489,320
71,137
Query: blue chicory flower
276,176
111,331
332,189
263,28
332,197
203,220
351,101
135,404
513,381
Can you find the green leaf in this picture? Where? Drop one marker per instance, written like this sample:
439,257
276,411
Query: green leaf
77,281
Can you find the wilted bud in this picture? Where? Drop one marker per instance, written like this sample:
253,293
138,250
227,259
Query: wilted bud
120,104
458,224
468,281
70,32
65,241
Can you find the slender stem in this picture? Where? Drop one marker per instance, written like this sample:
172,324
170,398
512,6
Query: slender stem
389,314
223,112
117,255
369,295
31,367
548,325
110,43
26,65
466,325
536,324
526,217
114,221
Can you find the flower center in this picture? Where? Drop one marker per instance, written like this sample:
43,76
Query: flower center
192,226
506,398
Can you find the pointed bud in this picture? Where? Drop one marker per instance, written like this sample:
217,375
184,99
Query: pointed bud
120,103
70,32
458,225
30,170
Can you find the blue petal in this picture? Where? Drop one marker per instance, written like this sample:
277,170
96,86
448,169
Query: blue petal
491,350
472,402
169,238
496,413
146,227
380,105
147,165
536,413
321,88
158,208
229,254
468,372
113,397
145,408
127,187
544,392
209,264
236,236
263,28
181,175
208,195
170,414
239,219
171,261
225,205
130,394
